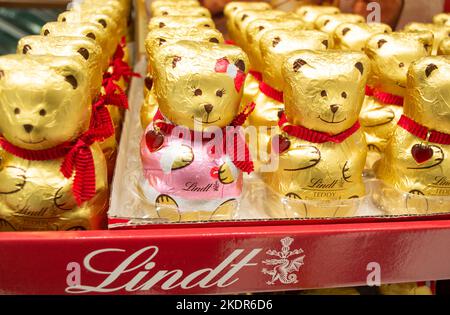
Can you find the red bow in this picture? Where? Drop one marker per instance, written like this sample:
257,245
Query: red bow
271,92
388,98
101,120
312,135
369,90
224,66
77,157
231,141
423,132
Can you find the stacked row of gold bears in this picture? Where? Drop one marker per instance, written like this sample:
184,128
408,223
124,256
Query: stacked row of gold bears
47,92
322,71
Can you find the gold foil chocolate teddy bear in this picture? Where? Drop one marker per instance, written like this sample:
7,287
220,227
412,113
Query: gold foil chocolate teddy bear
310,13
321,149
440,32
275,45
390,55
353,36
88,52
329,22
175,21
54,175
416,159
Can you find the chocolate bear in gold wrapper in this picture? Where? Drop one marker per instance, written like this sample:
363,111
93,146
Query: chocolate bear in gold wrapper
420,164
440,32
185,3
324,92
86,51
354,36
45,101
159,38
310,13
175,21
181,10
329,22
233,8
390,55
275,45
243,18
254,31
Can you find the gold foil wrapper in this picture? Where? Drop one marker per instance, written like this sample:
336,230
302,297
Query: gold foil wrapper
187,3
237,29
354,36
176,21
85,29
411,288
441,19
329,22
106,22
440,32
45,102
444,47
310,13
84,49
415,185
275,46
391,56
324,92
184,83
259,27
233,7
181,10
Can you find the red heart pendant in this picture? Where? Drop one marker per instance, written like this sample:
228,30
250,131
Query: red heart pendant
421,152
154,140
280,144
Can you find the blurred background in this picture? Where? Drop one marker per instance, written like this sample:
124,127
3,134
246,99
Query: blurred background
19,18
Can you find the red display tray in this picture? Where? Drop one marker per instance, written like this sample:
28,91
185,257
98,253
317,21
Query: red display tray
232,257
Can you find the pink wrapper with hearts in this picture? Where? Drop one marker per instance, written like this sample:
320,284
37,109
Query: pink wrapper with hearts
198,180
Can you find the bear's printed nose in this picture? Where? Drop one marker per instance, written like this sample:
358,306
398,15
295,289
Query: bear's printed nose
208,108
334,108
28,128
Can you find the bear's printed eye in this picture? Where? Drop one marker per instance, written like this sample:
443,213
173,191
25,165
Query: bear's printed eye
260,28
16,111
91,36
401,65
198,92
344,95
42,112
323,93
164,13
46,32
220,93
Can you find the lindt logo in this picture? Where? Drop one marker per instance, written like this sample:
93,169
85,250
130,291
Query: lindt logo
145,274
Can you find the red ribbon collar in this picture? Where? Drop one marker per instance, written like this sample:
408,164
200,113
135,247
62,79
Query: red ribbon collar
271,92
232,142
77,157
423,132
369,90
387,98
256,74
312,135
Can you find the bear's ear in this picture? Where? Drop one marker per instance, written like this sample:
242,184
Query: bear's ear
72,81
25,49
175,60
381,42
83,52
103,23
360,67
298,63
213,40
345,30
161,41
240,64
429,69
325,43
